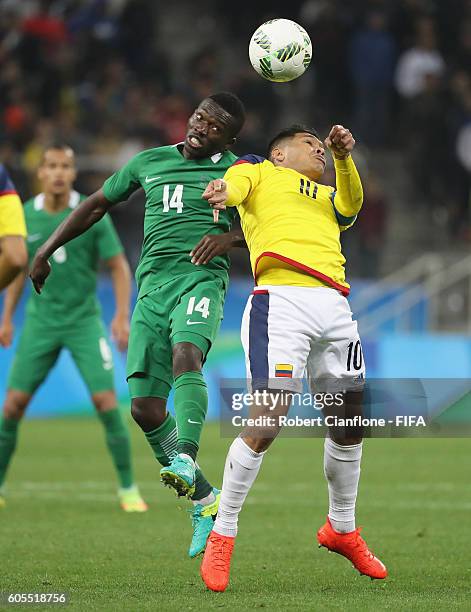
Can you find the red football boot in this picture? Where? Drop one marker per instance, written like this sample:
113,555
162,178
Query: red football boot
216,564
352,546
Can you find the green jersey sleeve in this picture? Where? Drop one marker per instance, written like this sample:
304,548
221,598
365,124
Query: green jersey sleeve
120,185
109,243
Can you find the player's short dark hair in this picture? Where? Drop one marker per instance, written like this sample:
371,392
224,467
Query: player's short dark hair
289,132
232,105
55,145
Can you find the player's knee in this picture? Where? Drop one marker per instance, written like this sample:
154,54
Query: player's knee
186,358
15,405
148,412
104,401
12,410
138,409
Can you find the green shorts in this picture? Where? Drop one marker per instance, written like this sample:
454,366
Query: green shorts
186,309
39,347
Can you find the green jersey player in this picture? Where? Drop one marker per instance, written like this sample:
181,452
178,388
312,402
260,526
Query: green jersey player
182,280
67,315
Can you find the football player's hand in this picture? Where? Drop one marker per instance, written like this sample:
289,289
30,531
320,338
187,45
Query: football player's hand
120,331
6,333
210,246
216,194
40,270
340,142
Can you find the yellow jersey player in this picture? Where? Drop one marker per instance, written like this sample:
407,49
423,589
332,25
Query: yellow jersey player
296,321
13,255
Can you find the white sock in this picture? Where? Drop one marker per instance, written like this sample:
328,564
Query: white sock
240,471
342,471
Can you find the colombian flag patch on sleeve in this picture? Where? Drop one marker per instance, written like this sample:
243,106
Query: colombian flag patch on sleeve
283,370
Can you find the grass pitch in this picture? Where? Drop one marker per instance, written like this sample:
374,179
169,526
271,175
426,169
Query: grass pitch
62,529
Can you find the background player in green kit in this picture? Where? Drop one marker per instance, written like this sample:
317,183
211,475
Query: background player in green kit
67,315
180,303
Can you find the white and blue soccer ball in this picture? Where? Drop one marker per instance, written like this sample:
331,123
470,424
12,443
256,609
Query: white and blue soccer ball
280,50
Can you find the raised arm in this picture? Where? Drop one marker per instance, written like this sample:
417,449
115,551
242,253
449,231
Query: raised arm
79,221
239,180
348,197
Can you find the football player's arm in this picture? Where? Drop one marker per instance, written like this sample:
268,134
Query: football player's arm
216,244
12,297
111,251
348,198
121,279
13,253
79,221
236,186
13,258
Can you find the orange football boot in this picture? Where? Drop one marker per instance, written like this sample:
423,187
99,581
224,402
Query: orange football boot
352,546
216,564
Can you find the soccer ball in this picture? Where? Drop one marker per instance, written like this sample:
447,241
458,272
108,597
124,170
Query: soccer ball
280,50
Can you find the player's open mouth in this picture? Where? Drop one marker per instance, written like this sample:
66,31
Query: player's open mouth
194,141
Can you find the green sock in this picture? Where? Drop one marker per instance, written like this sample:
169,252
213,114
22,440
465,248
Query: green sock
8,436
191,405
163,442
119,444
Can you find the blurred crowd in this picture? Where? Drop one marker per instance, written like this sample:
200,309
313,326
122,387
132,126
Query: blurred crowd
111,77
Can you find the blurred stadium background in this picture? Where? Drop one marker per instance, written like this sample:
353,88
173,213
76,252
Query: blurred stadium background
111,77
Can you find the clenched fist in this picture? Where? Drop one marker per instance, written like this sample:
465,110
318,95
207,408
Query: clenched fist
340,142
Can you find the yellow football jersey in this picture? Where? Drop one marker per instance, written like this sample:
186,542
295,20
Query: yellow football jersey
292,224
12,220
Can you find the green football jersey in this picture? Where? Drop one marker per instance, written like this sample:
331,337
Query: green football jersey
69,294
176,216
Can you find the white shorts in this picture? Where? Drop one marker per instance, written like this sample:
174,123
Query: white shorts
289,333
